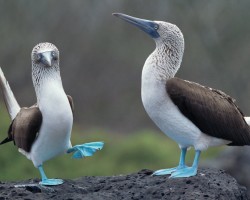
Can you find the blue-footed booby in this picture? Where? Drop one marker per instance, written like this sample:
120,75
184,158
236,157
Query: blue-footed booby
189,113
43,130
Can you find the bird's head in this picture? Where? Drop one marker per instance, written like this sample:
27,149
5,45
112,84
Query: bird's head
162,32
45,55
45,63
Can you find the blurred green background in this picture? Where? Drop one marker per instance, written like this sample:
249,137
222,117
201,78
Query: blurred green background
101,58
122,154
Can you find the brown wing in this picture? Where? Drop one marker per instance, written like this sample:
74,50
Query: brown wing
212,111
25,126
71,103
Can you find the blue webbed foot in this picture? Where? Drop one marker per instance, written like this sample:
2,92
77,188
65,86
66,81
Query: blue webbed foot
46,181
51,182
171,170
87,149
168,171
185,172
188,171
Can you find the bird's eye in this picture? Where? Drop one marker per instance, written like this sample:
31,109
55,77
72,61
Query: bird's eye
156,27
54,55
38,57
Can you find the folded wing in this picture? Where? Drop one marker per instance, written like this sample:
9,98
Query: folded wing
212,111
25,127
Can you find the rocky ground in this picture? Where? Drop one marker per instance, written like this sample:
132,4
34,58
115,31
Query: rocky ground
208,184
236,162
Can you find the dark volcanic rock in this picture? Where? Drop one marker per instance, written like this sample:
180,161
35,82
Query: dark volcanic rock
208,184
236,162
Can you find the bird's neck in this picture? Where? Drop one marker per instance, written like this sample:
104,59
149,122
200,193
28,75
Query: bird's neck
163,63
160,66
47,85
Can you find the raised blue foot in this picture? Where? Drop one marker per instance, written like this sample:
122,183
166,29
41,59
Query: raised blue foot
171,170
87,149
46,181
188,171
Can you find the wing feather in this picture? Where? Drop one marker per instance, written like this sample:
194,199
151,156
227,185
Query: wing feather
71,103
25,127
212,111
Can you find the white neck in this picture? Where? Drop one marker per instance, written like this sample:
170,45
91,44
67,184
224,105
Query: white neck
163,63
160,66
48,84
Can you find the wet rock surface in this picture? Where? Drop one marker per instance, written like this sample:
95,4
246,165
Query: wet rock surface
208,184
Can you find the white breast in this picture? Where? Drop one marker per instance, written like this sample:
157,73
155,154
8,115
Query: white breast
54,134
167,116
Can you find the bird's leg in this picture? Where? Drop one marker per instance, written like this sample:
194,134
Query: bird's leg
188,171
87,149
179,167
46,181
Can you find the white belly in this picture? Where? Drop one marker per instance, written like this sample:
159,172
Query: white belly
171,121
54,135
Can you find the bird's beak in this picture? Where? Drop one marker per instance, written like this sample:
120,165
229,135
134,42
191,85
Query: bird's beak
150,27
47,58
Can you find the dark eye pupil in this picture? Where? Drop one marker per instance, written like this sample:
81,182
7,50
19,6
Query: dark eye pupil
156,27
54,56
38,57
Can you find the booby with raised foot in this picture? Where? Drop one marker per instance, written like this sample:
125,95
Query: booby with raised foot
189,113
43,130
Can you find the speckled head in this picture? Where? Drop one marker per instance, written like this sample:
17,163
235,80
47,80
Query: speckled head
45,63
45,55
170,33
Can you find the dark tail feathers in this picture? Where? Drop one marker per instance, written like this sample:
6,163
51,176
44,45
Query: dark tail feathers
6,140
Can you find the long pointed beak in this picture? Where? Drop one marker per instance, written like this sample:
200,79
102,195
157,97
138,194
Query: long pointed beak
47,58
150,27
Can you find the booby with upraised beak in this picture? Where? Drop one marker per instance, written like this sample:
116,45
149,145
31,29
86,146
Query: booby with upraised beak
43,130
189,113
